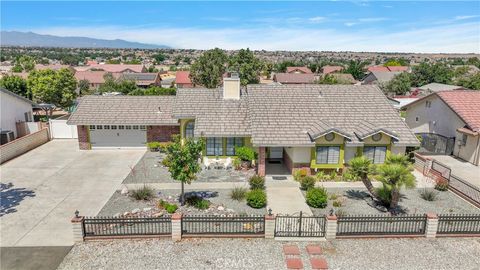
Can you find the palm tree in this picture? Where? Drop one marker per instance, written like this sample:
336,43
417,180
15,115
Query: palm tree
394,176
361,168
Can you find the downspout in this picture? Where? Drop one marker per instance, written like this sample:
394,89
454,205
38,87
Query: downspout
477,150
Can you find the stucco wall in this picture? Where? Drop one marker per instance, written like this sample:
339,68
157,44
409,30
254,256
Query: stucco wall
12,110
299,154
24,144
446,121
470,151
398,150
350,153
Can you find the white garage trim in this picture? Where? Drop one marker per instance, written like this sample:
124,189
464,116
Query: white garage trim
117,136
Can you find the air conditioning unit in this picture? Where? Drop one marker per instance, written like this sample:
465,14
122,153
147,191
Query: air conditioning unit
6,136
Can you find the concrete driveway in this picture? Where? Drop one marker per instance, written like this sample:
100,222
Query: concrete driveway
42,189
461,168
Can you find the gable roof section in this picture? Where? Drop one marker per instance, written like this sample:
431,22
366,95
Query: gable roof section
466,104
437,87
365,129
322,128
384,76
305,70
24,99
330,69
124,110
183,77
294,78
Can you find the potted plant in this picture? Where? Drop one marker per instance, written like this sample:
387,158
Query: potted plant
246,155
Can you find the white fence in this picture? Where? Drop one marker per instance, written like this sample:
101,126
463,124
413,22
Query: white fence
60,130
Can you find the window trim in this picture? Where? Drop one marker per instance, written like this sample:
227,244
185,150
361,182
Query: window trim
186,128
328,150
215,143
387,150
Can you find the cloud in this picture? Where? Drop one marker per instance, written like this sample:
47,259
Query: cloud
374,19
350,24
453,38
465,17
317,19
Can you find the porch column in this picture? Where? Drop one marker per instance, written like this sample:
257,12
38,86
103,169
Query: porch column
261,161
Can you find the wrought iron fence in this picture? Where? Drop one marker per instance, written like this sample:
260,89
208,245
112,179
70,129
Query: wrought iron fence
226,225
300,226
470,191
441,169
121,226
381,225
458,224
436,143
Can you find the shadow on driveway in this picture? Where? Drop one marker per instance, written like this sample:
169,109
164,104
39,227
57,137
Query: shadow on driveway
32,258
11,197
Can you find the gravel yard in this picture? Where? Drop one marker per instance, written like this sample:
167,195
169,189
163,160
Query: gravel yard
358,254
354,203
150,170
220,204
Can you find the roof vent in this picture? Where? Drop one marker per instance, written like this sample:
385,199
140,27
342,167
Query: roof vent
320,94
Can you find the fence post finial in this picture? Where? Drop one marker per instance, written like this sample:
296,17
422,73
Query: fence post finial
331,212
269,211
77,213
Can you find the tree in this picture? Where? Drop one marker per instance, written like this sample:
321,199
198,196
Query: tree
267,69
183,162
362,168
470,81
24,63
356,69
327,79
247,65
53,87
84,87
426,73
159,58
15,84
209,68
153,91
396,62
399,85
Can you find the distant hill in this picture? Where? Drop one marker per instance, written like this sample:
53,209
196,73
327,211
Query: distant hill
29,39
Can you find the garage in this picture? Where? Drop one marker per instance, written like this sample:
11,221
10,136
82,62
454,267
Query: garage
117,136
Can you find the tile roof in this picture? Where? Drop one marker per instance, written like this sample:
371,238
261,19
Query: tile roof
127,110
436,87
141,78
294,78
183,77
384,77
387,69
466,104
95,77
330,69
305,70
113,67
344,78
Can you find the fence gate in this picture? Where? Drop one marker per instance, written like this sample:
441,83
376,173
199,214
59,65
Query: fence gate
300,226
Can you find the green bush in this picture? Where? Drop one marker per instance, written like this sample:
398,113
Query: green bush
428,195
166,162
162,146
257,198
299,174
198,202
333,175
144,193
153,146
348,176
307,183
238,193
245,153
257,182
320,176
442,185
334,196
170,208
385,194
237,163
317,197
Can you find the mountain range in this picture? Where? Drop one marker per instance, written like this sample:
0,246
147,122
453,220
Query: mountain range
30,39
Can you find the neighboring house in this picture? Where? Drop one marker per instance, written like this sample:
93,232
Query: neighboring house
14,109
294,78
302,70
379,77
436,87
331,69
114,68
402,101
143,79
312,127
182,79
454,113
53,67
95,78
344,78
387,68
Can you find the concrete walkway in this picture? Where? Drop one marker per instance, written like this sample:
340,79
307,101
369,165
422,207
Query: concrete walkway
461,168
285,197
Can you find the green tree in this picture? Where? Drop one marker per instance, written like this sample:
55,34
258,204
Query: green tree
247,65
396,62
361,168
15,84
356,68
153,91
470,81
53,87
426,73
327,79
267,69
109,84
209,68
24,63
399,85
183,162
84,87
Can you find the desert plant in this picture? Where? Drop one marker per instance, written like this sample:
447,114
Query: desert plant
441,185
385,194
237,163
171,208
153,146
396,175
361,168
428,195
337,203
238,193
317,197
257,198
257,182
348,176
334,196
144,193
333,175
307,183
320,176
340,212
299,174
245,153
198,202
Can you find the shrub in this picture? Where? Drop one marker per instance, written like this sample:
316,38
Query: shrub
257,182
348,176
144,193
307,183
198,202
317,197
162,146
333,196
245,153
166,162
428,195
237,163
153,146
340,212
238,193
385,193
299,174
171,208
338,202
320,176
257,198
442,185
333,175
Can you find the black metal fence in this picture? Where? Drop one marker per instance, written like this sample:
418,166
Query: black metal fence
300,226
120,226
381,225
436,143
223,225
472,192
458,224
441,169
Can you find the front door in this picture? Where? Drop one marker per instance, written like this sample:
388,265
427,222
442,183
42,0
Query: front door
276,152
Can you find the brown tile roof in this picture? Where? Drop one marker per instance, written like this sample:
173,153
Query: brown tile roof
387,69
331,69
305,70
126,110
95,77
183,77
294,78
466,104
114,68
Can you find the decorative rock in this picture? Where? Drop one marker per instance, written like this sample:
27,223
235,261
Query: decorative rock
124,190
126,213
159,214
230,210
220,208
146,209
136,210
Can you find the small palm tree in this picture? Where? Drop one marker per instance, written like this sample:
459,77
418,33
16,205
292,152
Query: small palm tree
361,168
395,176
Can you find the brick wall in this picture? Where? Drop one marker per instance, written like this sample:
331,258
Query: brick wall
161,133
83,138
24,144
261,161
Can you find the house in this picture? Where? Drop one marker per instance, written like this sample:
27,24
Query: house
302,70
379,77
387,68
449,114
114,68
311,127
14,109
343,78
294,78
182,79
436,87
95,78
143,79
331,69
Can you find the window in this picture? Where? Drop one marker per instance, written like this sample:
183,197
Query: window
143,127
464,140
231,143
28,116
121,127
106,127
114,127
189,128
92,127
135,127
99,127
128,127
329,137
328,154
428,104
214,146
416,119
375,153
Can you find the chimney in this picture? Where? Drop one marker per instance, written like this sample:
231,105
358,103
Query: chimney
231,87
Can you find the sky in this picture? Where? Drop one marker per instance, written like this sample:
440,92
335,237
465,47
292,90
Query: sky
381,26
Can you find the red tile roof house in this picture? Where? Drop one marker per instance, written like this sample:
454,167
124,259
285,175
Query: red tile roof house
294,78
312,127
182,79
454,113
304,70
331,69
114,68
387,69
